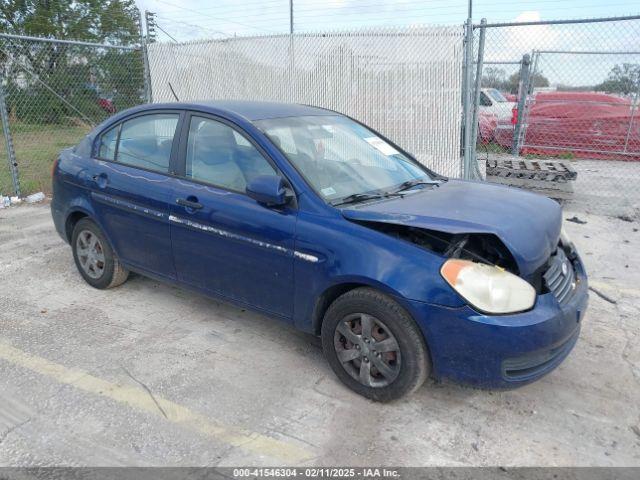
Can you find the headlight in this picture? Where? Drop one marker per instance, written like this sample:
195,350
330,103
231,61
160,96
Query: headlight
488,288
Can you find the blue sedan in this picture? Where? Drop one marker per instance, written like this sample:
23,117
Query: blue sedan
311,217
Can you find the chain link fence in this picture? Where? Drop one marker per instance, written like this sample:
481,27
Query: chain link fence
54,92
558,108
553,106
404,82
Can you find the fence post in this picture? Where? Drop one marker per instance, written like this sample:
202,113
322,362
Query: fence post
11,153
148,94
634,108
523,90
463,82
466,100
292,54
535,57
475,172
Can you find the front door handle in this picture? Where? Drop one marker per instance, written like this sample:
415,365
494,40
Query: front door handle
190,203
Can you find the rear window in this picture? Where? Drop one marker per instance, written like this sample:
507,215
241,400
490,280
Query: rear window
108,144
84,147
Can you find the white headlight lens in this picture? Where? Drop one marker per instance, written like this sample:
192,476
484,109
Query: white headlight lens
488,288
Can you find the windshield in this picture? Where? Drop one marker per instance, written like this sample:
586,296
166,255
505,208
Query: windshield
342,159
496,95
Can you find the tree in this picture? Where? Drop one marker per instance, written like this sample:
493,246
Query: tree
539,80
89,79
493,77
624,79
112,21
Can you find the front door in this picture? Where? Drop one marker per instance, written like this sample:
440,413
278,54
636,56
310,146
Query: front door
223,241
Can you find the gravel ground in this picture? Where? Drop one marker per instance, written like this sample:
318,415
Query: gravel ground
149,374
607,187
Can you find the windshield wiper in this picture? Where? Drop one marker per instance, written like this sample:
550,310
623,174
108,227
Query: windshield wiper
409,184
362,197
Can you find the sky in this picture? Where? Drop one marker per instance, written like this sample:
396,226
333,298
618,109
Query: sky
190,19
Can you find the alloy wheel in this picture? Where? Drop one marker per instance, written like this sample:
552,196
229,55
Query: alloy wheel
90,254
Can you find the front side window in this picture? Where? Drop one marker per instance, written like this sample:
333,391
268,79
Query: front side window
219,155
146,141
341,158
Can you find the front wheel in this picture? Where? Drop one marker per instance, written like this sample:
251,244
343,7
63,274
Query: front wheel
374,346
96,261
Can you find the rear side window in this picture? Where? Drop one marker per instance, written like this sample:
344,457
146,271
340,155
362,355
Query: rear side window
146,141
108,144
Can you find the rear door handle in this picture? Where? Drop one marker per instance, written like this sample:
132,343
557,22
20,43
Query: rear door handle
101,180
189,204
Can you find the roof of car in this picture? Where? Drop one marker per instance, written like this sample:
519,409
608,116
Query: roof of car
255,110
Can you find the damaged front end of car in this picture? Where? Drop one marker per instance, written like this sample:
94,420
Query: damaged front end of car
514,327
477,247
478,266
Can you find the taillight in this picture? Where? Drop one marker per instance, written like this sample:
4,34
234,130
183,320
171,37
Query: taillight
514,115
54,166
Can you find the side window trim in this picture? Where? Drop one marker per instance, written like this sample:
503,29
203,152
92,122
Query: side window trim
184,140
115,152
173,159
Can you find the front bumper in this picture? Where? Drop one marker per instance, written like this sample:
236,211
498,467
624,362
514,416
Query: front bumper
502,351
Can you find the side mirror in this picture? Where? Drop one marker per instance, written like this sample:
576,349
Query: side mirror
269,190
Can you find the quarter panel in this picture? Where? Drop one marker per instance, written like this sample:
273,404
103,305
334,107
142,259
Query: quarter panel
71,191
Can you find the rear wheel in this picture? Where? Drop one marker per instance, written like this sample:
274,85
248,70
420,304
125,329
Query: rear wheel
374,346
95,259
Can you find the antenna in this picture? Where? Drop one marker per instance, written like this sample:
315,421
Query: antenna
173,92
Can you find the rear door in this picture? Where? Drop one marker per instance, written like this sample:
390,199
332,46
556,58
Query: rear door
131,189
224,241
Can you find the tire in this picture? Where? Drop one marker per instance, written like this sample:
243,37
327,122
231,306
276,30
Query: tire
107,272
405,369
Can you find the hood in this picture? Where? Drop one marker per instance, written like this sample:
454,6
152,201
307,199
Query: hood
528,224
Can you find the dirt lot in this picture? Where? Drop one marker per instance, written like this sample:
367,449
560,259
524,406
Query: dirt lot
148,374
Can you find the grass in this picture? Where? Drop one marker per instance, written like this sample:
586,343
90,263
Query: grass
491,147
36,147
561,156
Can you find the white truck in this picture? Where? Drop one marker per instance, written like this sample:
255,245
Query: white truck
492,101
